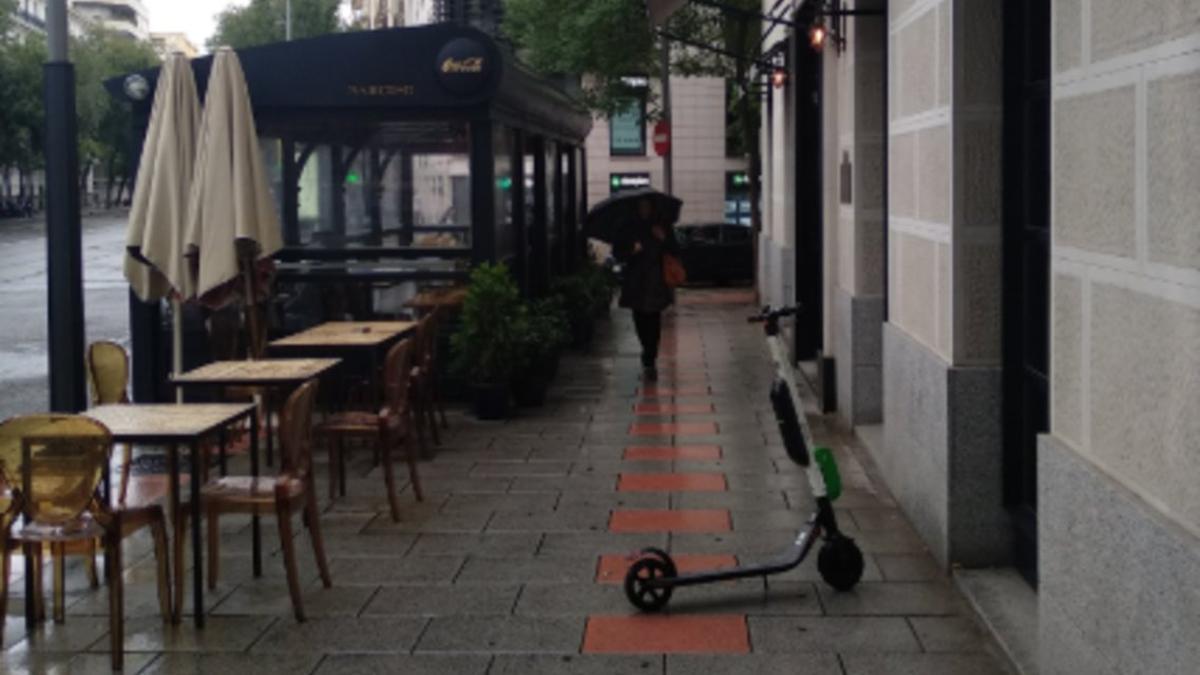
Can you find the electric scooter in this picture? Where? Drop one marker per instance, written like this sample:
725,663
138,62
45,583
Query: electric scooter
653,577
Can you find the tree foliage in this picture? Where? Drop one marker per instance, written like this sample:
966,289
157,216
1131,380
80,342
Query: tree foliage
264,21
104,124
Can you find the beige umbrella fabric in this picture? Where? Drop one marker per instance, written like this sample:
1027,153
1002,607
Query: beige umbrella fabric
154,262
230,201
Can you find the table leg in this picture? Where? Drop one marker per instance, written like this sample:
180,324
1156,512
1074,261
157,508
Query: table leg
175,513
223,453
266,406
30,587
197,558
255,534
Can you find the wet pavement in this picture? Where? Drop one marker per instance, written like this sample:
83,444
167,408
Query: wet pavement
23,359
512,563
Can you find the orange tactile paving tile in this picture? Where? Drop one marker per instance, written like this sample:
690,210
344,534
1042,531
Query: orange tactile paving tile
639,453
675,634
674,429
671,482
612,568
683,390
674,409
664,520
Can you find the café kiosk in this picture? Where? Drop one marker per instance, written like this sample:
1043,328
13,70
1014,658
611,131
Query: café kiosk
397,157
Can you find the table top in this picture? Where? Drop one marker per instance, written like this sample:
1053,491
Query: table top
347,334
259,372
166,422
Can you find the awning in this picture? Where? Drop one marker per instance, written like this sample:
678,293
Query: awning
661,10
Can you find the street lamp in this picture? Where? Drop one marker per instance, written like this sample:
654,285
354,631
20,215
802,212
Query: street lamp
64,255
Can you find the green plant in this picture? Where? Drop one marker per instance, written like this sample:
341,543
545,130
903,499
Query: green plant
487,348
547,327
576,294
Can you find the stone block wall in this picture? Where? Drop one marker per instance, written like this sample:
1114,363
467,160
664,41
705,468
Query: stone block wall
1125,340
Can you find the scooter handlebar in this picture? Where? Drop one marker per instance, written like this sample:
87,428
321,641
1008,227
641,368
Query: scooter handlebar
769,314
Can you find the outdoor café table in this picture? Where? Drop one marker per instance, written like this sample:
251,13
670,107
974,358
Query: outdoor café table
172,425
347,338
267,374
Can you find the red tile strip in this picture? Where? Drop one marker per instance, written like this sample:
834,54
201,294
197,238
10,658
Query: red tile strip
674,429
671,482
669,452
676,634
663,520
676,409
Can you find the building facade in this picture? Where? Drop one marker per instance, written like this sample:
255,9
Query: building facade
30,16
124,17
169,43
989,212
712,185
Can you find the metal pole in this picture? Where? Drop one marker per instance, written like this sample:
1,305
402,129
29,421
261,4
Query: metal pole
668,163
288,22
64,255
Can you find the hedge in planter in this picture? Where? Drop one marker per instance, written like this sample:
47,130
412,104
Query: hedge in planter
487,347
545,333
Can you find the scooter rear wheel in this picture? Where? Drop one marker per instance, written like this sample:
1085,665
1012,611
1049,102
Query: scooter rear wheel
840,563
663,556
638,588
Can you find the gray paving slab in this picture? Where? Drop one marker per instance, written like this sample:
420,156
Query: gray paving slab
922,664
576,664
580,544
341,635
492,544
21,661
459,599
413,569
908,567
419,664
75,635
560,520
948,633
831,634
506,634
273,599
574,599
201,664
539,570
220,634
492,502
759,664
921,598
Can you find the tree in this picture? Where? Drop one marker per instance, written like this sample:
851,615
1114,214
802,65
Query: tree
22,123
608,40
264,21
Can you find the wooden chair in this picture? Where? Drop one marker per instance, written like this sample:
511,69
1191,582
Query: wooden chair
389,428
427,403
60,461
108,374
292,490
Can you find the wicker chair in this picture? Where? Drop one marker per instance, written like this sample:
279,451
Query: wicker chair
292,490
51,467
389,428
427,404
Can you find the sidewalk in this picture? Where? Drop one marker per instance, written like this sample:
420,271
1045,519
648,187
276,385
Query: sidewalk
513,562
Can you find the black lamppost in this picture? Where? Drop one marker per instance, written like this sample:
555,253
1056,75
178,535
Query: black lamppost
64,255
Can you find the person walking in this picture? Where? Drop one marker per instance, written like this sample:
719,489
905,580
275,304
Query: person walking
644,289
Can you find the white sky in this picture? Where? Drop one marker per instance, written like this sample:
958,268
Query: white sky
197,18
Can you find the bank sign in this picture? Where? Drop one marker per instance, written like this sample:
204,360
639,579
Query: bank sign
619,182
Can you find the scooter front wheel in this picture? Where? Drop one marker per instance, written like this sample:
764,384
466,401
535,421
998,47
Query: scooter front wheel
638,583
840,563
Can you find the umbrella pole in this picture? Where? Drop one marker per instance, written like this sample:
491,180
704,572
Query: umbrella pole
177,343
250,304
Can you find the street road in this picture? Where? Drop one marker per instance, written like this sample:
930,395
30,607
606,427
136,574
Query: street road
24,361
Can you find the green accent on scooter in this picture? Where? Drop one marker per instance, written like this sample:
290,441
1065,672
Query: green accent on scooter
829,471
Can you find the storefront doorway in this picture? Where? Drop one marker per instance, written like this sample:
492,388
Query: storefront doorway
1026,264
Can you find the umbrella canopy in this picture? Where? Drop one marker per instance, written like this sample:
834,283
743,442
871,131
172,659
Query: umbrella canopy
230,204
154,260
617,218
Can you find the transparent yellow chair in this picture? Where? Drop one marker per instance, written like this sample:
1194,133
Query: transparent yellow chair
51,467
108,375
292,490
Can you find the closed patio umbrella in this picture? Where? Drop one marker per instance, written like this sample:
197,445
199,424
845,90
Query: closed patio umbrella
154,260
232,224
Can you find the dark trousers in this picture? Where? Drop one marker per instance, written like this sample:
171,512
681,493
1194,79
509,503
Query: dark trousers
649,332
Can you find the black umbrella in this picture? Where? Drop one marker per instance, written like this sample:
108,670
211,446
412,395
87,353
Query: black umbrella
617,219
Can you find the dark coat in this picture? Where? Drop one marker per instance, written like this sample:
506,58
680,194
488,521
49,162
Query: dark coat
642,286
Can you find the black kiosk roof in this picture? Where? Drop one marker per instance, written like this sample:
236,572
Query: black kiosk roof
336,86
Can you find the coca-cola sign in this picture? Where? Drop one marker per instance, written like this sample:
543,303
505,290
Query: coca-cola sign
463,66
